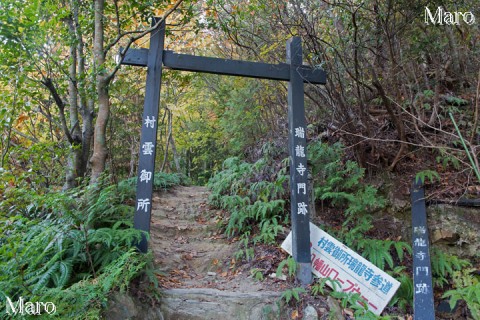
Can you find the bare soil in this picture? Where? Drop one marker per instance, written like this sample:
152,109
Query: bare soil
189,249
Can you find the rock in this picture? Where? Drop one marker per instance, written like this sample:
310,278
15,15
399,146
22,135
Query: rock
198,304
274,276
322,311
310,313
399,204
444,236
444,307
213,304
123,306
455,229
335,309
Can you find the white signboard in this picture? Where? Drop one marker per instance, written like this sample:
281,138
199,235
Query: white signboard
332,259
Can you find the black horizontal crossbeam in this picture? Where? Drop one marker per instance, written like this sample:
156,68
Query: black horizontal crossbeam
186,62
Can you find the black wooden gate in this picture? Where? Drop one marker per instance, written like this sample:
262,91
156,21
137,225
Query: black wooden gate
293,71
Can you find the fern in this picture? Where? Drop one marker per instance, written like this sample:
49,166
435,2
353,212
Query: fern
288,294
253,203
379,252
161,181
430,174
467,288
291,266
72,249
404,295
321,283
444,265
62,278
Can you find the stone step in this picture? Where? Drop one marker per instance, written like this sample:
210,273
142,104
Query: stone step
213,304
198,304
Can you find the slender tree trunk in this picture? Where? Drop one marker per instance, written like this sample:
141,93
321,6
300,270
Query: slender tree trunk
133,157
168,139
436,97
175,154
74,166
86,104
99,156
396,119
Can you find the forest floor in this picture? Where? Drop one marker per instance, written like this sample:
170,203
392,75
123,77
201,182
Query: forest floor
190,250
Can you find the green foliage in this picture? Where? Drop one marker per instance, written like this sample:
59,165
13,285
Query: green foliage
253,195
339,183
288,294
257,274
219,118
445,159
379,253
161,180
404,295
456,101
355,302
467,288
291,267
87,298
473,164
318,288
432,175
444,266
72,248
245,251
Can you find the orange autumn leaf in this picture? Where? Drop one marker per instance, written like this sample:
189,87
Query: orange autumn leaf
21,118
294,314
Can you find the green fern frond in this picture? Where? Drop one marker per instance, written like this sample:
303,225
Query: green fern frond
45,277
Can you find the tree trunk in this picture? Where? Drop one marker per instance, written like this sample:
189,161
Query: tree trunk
85,104
175,154
74,164
99,155
168,139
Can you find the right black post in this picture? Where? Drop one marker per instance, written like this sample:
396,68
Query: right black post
297,141
422,270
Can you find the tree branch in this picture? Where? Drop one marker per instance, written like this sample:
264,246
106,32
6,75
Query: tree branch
47,82
141,34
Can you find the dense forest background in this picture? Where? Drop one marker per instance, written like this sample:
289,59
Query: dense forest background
401,101
68,112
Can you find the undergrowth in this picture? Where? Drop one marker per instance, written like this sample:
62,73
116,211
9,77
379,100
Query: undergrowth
255,197
161,181
71,248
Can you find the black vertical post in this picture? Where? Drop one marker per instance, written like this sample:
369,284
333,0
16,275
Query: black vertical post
422,271
298,164
148,140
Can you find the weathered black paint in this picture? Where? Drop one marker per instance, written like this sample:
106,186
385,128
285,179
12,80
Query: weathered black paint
141,219
186,62
422,270
296,119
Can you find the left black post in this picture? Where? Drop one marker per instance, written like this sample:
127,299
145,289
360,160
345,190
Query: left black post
148,140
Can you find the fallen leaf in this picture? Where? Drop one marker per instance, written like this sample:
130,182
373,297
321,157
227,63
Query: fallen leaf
348,312
294,314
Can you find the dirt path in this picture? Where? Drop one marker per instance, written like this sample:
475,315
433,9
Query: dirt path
188,250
